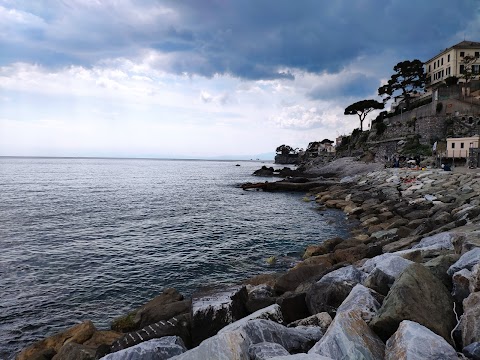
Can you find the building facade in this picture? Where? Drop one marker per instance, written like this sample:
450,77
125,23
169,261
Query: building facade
460,147
450,63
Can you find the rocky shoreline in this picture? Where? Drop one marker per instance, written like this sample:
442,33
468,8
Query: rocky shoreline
404,285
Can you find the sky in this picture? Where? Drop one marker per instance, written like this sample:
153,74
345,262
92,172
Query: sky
203,78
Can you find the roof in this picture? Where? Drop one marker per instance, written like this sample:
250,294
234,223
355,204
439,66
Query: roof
461,45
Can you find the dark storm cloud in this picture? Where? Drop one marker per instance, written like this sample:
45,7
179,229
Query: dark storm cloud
248,39
351,85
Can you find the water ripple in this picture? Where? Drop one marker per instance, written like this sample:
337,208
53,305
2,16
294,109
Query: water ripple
92,238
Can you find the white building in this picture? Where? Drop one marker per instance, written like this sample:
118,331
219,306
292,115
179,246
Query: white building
449,62
460,147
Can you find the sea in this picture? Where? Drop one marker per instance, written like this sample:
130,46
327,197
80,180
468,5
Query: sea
95,238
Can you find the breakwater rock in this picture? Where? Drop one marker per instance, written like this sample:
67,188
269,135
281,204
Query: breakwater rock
404,285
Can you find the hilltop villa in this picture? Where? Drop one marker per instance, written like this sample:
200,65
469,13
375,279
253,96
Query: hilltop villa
449,62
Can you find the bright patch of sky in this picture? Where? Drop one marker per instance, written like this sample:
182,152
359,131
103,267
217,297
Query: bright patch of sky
203,78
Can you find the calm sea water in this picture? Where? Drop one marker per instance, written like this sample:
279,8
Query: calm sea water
93,238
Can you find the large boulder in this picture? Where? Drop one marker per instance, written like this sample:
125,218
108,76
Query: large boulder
466,261
413,341
213,310
235,343
438,267
272,312
349,337
472,351
331,290
168,304
363,301
293,306
76,334
260,297
156,349
461,285
470,320
441,241
266,350
417,295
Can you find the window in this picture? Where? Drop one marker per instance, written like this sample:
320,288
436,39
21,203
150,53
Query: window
442,60
442,74
471,144
461,146
462,53
429,68
453,145
477,54
476,69
448,57
462,69
434,65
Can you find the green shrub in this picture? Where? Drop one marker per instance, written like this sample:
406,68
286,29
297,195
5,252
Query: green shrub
380,127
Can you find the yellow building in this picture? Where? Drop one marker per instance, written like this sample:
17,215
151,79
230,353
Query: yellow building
460,147
449,62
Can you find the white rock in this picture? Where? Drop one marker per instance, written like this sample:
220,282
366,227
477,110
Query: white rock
272,312
361,301
442,241
155,349
234,344
349,337
413,341
347,273
466,261
390,264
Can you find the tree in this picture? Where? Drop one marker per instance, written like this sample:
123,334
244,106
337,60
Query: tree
466,68
362,108
285,150
409,78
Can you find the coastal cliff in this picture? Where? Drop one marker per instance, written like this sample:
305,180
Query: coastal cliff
406,281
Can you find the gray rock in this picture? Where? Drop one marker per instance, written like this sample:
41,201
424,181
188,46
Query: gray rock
379,282
322,320
349,337
466,261
272,312
363,301
442,241
234,344
413,341
348,273
417,295
266,350
475,279
439,266
293,306
461,285
331,290
472,351
302,357
156,349
390,264
260,297
470,320
213,310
